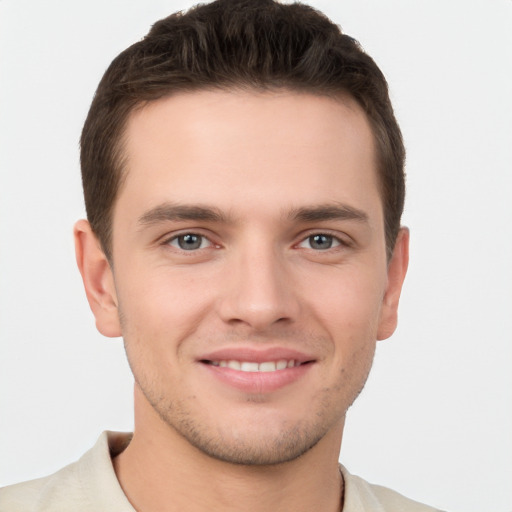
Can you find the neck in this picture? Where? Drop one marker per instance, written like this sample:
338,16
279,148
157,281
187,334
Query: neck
160,470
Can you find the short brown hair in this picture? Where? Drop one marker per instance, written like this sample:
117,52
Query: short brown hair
256,44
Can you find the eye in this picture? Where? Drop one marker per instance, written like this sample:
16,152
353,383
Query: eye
320,242
189,242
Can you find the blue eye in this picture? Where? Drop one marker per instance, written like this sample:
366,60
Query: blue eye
190,242
320,242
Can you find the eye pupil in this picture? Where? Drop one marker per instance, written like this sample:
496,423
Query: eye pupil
321,242
189,242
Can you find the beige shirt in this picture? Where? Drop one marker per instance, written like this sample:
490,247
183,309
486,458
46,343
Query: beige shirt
90,485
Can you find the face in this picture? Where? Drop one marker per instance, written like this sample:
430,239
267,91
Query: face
250,279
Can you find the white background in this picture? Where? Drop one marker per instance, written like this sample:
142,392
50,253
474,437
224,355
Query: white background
435,420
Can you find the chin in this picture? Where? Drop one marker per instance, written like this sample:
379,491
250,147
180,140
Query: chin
247,437
254,448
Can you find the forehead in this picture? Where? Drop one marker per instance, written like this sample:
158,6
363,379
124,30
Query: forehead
246,149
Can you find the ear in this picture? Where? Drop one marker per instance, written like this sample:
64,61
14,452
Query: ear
397,268
98,279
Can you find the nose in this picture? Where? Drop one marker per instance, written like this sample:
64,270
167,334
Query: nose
259,290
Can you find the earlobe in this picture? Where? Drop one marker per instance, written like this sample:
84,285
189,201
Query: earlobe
397,269
98,279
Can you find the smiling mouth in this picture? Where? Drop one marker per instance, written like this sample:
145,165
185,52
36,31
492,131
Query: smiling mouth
253,366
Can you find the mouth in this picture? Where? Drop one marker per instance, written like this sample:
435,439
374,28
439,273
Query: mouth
255,366
257,371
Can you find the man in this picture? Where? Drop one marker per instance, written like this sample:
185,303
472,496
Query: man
243,179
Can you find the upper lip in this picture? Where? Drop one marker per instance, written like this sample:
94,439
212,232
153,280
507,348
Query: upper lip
256,355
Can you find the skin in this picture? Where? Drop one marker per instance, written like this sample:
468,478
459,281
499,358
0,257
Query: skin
255,177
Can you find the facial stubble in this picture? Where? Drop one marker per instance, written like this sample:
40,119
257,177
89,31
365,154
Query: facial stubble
255,447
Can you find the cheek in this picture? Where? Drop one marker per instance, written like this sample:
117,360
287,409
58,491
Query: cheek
154,322
348,303
159,309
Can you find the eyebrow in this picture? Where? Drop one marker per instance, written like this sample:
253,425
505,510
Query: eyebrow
173,212
328,212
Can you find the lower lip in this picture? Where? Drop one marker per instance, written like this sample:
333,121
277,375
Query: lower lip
258,382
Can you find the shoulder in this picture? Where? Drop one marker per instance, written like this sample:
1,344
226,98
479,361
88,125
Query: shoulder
87,485
362,496
44,493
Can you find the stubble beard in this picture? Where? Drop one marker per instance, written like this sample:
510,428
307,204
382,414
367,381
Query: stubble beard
244,448
260,448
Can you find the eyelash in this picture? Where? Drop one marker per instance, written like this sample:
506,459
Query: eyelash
176,239
336,241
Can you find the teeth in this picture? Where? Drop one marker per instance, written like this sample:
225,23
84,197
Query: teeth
235,365
251,366
268,366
